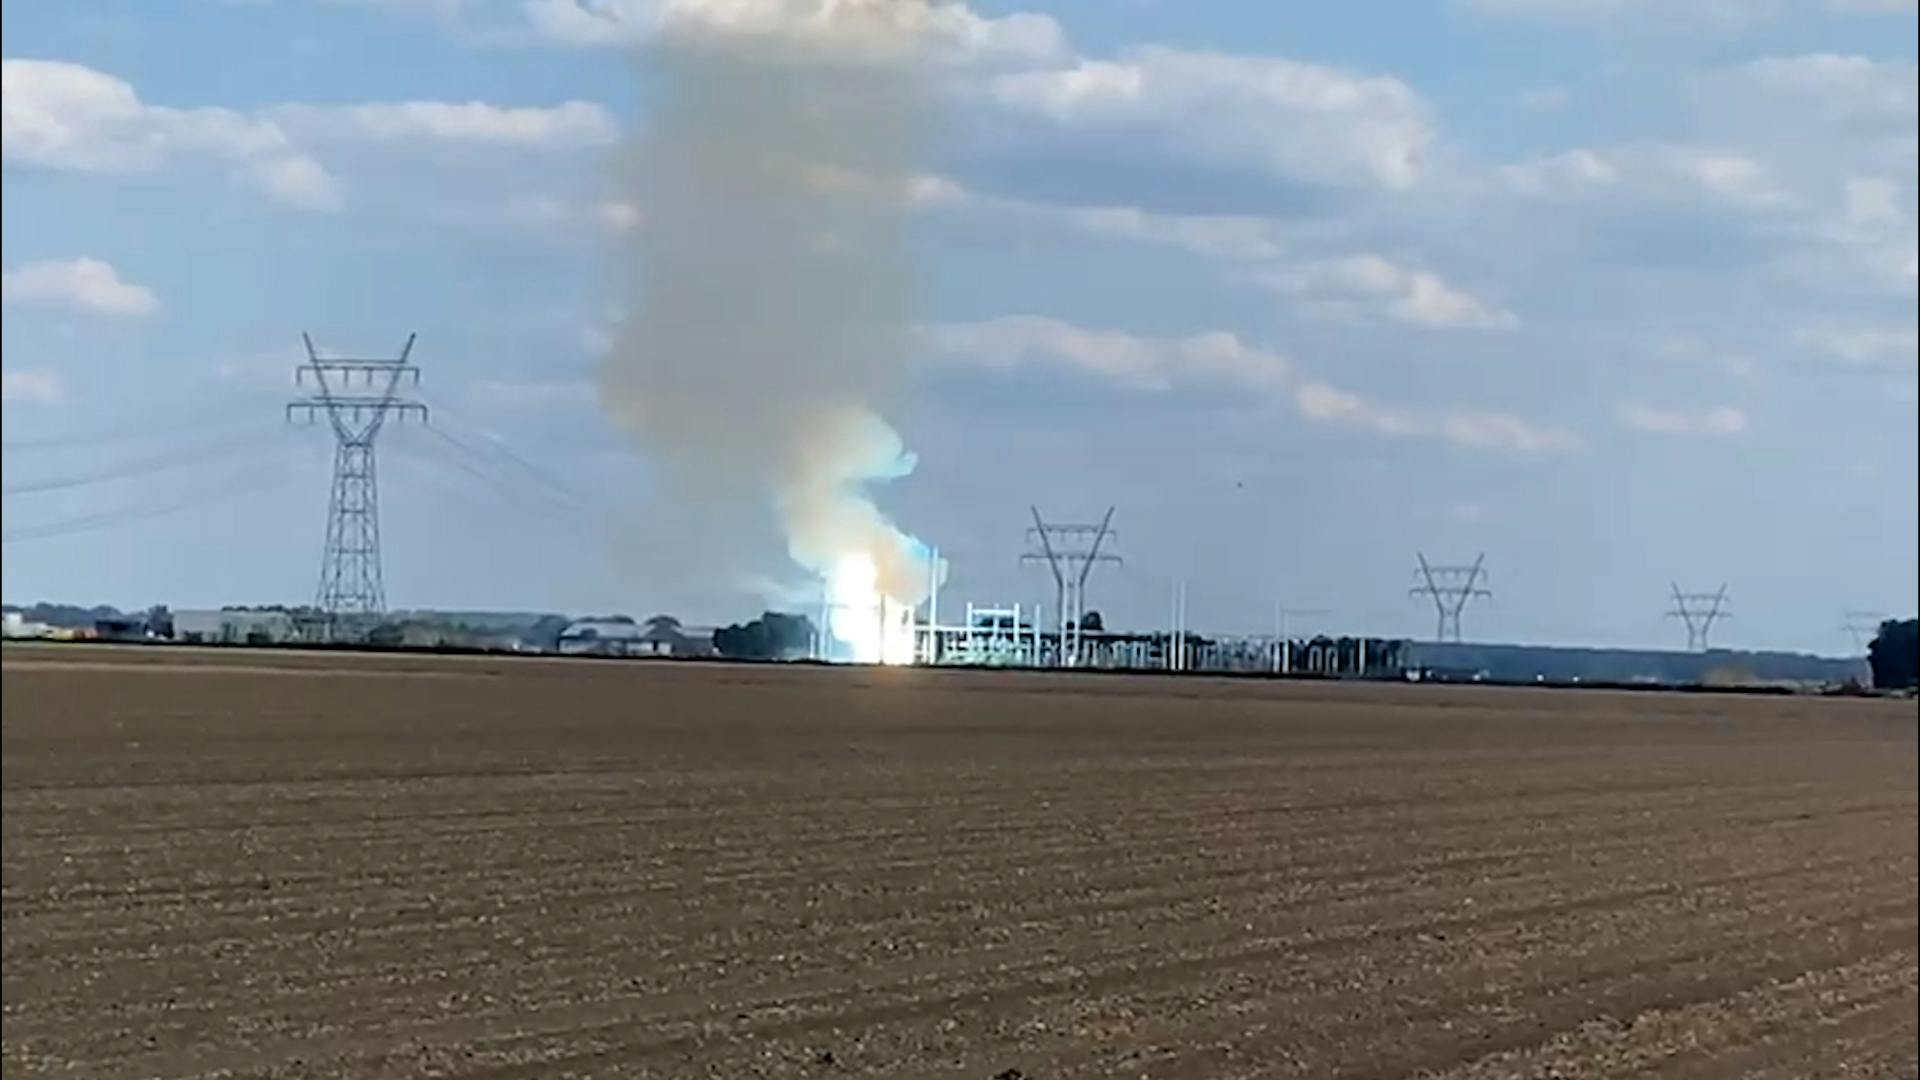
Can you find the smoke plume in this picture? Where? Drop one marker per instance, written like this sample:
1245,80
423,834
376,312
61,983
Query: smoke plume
770,327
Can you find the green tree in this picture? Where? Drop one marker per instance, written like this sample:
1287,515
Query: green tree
772,636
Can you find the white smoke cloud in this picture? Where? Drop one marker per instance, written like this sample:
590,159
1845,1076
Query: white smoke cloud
946,32
771,321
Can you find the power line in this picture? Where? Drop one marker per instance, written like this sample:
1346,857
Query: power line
130,514
441,454
505,450
139,467
434,455
142,428
473,462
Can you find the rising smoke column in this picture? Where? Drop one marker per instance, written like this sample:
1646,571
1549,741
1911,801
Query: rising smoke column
771,321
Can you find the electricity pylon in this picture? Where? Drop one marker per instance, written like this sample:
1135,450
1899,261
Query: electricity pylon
1699,611
1863,626
1450,587
356,395
1070,552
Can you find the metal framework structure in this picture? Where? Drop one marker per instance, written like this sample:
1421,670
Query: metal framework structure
1010,637
1282,641
356,396
1863,627
1699,611
1070,551
1450,587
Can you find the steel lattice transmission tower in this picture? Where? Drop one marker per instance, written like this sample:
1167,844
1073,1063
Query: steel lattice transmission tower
1699,611
1070,552
356,396
1450,587
1863,627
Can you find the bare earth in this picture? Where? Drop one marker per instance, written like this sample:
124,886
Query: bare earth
252,864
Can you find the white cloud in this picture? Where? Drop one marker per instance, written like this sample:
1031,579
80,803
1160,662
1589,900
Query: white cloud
1222,360
548,211
1727,178
1724,420
1328,404
1893,348
1283,117
442,8
1504,431
1377,285
1838,133
1677,14
1287,118
1346,286
1818,118
1574,171
1693,351
70,117
1142,363
618,216
59,115
1650,172
1229,237
1365,284
29,386
1825,87
1872,202
855,30
1475,429
570,125
1223,237
81,284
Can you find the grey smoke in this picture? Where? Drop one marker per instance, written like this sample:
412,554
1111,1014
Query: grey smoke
770,325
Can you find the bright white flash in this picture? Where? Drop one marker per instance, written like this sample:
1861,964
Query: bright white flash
873,631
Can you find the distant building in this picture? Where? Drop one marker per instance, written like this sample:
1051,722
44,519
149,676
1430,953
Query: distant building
601,637
234,627
121,628
496,631
621,636
681,641
434,633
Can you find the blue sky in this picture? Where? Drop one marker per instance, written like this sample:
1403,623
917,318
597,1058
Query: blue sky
1618,292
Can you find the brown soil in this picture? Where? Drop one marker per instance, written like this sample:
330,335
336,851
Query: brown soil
267,864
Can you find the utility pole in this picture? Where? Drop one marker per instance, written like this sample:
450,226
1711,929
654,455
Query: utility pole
356,396
1699,611
1450,587
1070,552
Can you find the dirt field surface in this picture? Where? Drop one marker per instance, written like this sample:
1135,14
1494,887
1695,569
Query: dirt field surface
273,864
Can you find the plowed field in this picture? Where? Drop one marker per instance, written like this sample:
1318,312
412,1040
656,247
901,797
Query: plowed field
264,864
